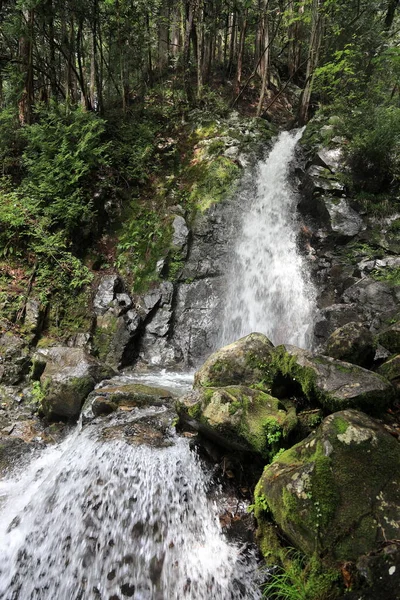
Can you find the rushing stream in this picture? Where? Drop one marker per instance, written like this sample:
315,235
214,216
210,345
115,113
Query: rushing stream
268,288
102,516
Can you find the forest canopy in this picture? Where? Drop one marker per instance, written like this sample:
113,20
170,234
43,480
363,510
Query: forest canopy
92,90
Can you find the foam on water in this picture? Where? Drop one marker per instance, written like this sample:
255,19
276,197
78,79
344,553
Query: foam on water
269,289
103,519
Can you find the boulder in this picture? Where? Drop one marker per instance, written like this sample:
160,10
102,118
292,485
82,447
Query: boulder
180,233
14,359
331,383
336,492
391,370
344,222
319,180
105,293
329,158
390,338
237,363
377,300
352,343
238,417
70,374
106,400
378,575
332,317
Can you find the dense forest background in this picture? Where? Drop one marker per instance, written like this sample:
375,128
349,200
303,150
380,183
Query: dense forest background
104,104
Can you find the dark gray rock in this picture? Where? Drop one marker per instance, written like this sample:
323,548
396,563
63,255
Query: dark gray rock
105,293
331,318
180,233
34,316
352,343
329,158
390,338
344,222
377,300
126,397
197,311
320,180
14,359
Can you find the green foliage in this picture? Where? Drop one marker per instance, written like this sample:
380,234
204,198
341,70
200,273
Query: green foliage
63,150
37,393
212,181
143,237
301,579
374,146
11,142
390,275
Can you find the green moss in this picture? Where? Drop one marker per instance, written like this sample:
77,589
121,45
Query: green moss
211,181
340,424
103,337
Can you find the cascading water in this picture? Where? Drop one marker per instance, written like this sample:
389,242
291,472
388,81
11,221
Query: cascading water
99,518
269,290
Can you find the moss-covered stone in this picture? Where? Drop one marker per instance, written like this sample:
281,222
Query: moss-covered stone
239,363
390,338
353,343
330,383
391,371
70,374
239,417
336,492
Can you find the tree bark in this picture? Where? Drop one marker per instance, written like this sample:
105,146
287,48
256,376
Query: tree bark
317,27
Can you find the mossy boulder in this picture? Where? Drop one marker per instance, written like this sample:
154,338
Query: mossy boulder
391,370
238,417
237,363
337,492
70,374
390,338
108,399
330,383
353,343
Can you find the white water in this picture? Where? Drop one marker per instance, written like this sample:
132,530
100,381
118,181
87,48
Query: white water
104,519
269,289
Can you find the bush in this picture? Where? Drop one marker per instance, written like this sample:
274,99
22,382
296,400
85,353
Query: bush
374,147
63,152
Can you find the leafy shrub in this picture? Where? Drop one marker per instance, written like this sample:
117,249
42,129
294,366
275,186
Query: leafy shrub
63,151
374,147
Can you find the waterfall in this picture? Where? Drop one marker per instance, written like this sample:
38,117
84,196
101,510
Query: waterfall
268,288
99,518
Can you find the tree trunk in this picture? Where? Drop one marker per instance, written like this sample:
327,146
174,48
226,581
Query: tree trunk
242,39
27,98
317,27
264,62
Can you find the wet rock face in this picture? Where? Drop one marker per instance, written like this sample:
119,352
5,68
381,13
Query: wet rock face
353,257
110,398
336,491
199,291
68,377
